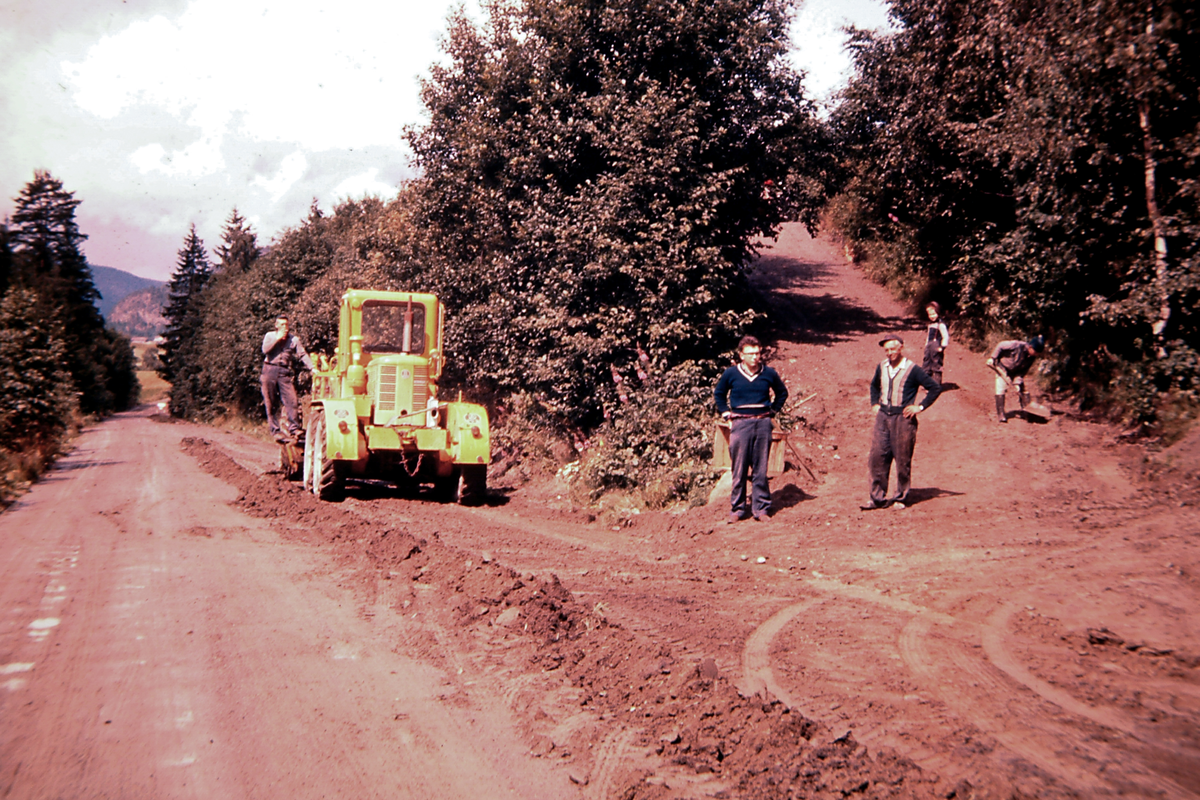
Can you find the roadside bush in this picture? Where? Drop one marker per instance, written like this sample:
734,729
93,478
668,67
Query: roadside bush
37,402
657,442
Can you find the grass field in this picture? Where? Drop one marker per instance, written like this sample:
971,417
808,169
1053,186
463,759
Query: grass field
154,388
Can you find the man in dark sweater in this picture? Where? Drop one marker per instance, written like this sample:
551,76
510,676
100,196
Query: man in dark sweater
747,395
894,401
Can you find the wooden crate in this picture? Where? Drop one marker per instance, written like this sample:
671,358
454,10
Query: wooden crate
721,459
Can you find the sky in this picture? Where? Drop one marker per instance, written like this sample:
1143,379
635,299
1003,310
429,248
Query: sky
159,114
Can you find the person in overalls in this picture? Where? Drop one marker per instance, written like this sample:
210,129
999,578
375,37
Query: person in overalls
937,339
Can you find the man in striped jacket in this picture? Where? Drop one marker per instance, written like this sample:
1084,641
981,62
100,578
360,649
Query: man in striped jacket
894,401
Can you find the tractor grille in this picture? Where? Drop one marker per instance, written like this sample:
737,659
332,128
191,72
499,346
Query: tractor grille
401,388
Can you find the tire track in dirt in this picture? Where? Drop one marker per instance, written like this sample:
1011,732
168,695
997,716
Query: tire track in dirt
612,754
974,690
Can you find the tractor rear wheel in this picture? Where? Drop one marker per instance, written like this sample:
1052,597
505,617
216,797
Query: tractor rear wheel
472,484
327,480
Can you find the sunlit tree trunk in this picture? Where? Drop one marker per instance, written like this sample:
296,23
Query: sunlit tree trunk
1156,223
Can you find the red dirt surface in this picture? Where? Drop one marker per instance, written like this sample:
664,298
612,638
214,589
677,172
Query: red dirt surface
1025,628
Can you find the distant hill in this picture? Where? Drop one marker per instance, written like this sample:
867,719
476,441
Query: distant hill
115,285
140,313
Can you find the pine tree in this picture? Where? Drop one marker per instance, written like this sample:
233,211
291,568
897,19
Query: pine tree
184,322
239,244
36,399
6,259
46,248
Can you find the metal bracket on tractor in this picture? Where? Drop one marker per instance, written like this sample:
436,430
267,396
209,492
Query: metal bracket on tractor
291,457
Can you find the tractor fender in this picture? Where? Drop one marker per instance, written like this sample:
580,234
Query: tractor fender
343,439
470,438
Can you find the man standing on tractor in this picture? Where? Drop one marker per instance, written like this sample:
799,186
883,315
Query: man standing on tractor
281,352
1011,361
748,395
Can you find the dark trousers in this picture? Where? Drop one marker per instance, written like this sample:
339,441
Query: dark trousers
894,437
749,449
934,358
278,389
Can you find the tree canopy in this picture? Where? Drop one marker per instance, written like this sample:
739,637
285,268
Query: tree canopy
1032,166
46,256
593,175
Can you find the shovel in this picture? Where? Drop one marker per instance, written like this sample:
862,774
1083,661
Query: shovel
1035,409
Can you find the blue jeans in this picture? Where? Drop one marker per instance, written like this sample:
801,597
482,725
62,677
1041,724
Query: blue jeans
749,448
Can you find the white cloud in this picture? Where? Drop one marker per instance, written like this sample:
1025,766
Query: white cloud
312,73
291,170
820,46
199,158
366,183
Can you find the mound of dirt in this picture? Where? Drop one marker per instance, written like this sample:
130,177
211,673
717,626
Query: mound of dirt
687,714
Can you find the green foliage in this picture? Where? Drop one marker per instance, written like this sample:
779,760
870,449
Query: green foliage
1017,162
6,258
36,401
37,404
592,179
303,274
46,257
179,363
657,442
239,244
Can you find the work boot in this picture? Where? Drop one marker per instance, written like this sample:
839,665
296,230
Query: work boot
1000,416
1023,399
732,518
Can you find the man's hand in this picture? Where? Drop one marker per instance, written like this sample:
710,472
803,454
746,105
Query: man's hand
912,411
875,408
990,362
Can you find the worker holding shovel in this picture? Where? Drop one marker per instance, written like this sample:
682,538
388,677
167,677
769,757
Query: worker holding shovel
1011,361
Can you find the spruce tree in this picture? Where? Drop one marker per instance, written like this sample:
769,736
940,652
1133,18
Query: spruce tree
239,244
6,259
183,311
36,397
46,248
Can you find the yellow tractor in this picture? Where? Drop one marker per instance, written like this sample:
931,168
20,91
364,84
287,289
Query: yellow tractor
375,412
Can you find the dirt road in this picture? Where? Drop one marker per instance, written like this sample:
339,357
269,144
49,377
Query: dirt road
178,621
156,642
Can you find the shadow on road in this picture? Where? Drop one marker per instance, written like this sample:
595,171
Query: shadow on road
921,495
793,292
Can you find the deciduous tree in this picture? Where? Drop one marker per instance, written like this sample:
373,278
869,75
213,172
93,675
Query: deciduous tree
593,176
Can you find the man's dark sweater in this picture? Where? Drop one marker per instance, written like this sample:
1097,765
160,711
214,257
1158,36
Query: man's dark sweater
738,393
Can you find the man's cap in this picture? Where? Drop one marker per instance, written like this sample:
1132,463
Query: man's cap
1038,343
891,337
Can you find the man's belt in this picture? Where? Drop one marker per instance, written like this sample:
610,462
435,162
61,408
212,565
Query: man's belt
277,366
764,415
891,411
